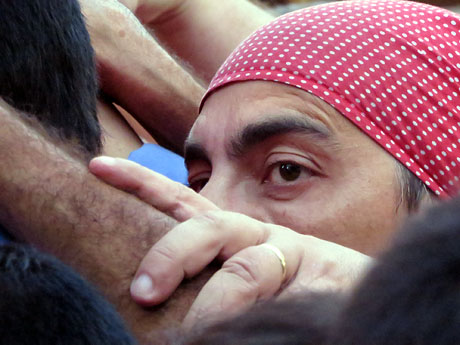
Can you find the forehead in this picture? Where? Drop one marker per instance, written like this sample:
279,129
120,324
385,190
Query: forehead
237,105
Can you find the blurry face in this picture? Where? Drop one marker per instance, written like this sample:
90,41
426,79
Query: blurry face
283,156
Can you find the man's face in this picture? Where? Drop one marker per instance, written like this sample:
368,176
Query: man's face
283,156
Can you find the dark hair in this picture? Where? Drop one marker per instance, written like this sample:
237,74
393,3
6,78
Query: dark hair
44,301
413,190
47,67
303,320
412,295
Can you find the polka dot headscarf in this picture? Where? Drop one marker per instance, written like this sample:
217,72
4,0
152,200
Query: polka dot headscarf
390,67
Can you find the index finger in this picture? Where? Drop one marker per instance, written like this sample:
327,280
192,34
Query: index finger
167,196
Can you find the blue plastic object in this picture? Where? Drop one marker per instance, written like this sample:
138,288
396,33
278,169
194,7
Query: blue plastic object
161,160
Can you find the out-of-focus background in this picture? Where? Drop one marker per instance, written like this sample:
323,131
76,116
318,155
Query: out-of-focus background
283,6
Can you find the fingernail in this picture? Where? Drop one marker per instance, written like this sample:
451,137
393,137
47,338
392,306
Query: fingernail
142,286
106,160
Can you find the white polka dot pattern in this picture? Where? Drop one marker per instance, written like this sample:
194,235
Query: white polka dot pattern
391,67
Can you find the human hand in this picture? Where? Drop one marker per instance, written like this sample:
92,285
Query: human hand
252,268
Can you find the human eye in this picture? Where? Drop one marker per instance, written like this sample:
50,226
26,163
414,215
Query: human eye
198,175
198,183
287,175
286,172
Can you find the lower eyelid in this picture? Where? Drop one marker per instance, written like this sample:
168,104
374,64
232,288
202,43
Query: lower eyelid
285,192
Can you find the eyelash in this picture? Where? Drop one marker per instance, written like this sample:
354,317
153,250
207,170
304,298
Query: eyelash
197,184
198,181
279,164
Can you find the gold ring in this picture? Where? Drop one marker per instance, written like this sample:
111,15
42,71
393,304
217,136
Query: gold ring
280,256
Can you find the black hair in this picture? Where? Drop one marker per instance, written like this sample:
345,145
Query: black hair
303,320
43,301
47,67
413,190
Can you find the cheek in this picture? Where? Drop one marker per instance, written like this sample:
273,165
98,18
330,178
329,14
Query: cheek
299,215
364,224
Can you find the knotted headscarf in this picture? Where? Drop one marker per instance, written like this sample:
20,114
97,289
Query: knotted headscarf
391,67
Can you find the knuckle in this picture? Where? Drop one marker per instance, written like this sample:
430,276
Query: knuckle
176,205
242,269
216,226
215,218
183,202
278,232
210,238
164,264
166,254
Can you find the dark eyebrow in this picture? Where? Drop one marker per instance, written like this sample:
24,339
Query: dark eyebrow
195,152
258,132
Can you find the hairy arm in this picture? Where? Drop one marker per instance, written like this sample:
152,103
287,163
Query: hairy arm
138,74
49,199
202,32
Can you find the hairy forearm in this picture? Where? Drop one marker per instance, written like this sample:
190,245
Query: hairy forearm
141,76
48,198
205,32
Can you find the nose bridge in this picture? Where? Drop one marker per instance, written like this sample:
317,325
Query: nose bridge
233,195
219,190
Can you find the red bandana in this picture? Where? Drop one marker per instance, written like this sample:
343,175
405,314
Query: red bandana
390,67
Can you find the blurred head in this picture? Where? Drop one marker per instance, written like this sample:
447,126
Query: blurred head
46,302
299,320
411,294
336,120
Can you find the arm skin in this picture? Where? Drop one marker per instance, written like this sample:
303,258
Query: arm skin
142,77
138,74
202,32
49,199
